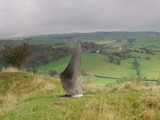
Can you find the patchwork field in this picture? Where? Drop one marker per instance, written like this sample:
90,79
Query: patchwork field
113,90
147,42
97,64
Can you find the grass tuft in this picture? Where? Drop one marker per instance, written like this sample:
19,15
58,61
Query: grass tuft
10,69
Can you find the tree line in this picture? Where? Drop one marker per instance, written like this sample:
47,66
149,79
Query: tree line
29,56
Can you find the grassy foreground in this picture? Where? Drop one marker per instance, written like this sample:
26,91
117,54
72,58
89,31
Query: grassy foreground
25,96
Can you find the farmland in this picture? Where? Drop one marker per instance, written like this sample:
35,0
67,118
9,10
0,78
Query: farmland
144,46
113,85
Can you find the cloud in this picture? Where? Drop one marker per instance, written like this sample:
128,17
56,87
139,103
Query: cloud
29,17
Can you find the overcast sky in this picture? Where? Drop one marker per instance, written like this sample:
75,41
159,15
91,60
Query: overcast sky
31,17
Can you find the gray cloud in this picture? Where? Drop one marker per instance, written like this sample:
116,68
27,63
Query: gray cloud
29,17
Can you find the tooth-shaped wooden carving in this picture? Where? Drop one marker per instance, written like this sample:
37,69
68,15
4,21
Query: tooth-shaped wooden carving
71,77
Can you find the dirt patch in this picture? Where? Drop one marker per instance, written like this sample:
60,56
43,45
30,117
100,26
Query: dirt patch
158,58
98,65
112,68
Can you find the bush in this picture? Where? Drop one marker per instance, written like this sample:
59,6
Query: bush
83,72
52,72
14,55
138,80
158,82
147,58
138,71
136,64
111,58
118,61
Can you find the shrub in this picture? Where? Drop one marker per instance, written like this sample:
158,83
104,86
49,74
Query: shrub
147,58
111,58
118,61
138,80
52,72
83,72
14,55
136,64
138,71
158,82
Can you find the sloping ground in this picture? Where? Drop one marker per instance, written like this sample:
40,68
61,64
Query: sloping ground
89,61
147,42
15,85
97,64
23,83
43,103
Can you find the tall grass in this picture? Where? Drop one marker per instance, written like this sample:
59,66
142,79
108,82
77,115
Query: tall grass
127,102
17,85
10,69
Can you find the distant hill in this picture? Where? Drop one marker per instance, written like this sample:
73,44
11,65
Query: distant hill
91,36
96,36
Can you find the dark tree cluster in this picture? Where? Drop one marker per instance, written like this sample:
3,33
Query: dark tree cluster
122,54
148,51
113,59
136,64
15,55
90,46
147,58
131,41
41,55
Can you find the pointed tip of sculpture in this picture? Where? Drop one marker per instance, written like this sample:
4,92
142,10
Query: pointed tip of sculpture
78,41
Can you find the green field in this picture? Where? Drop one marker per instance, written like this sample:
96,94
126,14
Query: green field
28,96
147,42
96,60
97,64
89,61
97,81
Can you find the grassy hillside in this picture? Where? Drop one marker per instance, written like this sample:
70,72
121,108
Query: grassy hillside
88,61
31,97
17,84
147,42
21,83
97,64
96,36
